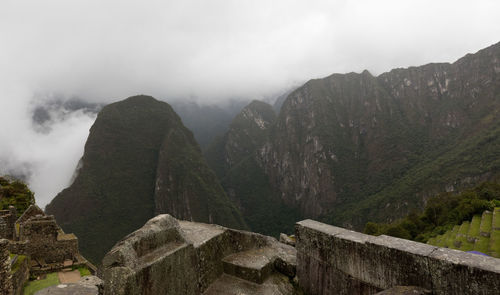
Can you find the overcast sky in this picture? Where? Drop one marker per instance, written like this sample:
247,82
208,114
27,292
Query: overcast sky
212,50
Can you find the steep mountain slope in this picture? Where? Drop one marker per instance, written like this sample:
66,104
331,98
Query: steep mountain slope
348,139
234,158
139,160
207,121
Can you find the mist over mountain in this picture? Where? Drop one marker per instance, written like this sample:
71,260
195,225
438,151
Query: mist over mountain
139,161
101,52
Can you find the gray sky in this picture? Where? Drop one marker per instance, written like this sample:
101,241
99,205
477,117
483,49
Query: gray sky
104,51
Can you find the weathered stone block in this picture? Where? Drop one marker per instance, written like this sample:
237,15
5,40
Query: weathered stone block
457,272
332,260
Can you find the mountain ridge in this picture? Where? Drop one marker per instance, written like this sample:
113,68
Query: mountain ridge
118,186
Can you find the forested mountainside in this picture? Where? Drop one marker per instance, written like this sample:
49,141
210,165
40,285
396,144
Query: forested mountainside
233,159
352,148
139,160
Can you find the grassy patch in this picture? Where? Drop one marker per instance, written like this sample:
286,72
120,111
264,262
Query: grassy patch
486,222
33,286
482,245
84,271
495,243
451,237
496,218
474,226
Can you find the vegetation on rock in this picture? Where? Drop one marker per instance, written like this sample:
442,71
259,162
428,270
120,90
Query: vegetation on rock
15,193
442,213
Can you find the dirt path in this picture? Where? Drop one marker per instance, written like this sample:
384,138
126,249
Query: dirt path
66,277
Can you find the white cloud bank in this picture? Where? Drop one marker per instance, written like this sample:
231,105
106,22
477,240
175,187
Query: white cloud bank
108,50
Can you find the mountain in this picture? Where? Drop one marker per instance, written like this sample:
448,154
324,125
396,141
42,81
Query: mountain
351,148
234,159
207,121
139,160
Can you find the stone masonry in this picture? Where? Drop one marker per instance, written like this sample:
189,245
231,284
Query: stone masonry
39,243
7,221
45,240
5,274
333,260
167,256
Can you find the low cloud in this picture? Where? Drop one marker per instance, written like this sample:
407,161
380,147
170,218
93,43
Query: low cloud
103,51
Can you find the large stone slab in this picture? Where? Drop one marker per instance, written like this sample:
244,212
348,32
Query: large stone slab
333,260
167,256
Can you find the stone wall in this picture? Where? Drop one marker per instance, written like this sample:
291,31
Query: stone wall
333,260
9,219
42,239
32,211
167,256
5,274
20,273
132,267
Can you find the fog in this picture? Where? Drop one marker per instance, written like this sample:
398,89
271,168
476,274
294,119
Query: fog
209,51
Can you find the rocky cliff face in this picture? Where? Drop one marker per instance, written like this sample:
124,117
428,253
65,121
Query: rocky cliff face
234,157
139,161
344,138
247,132
351,148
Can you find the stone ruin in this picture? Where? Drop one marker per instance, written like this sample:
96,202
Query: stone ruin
7,223
168,256
6,287
37,237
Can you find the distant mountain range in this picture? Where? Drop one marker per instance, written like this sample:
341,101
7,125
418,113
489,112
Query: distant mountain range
345,149
351,148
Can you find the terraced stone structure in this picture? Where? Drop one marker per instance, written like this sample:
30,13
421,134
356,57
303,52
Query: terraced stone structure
481,234
167,256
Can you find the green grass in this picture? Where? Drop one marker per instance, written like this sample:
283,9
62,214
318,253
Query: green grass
482,245
464,228
84,271
496,219
474,226
486,222
495,234
495,243
440,241
461,237
33,286
451,237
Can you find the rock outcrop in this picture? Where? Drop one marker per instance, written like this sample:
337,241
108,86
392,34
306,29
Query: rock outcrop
139,161
167,256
